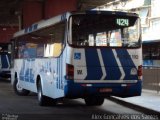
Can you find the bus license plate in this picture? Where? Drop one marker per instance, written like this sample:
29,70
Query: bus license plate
105,90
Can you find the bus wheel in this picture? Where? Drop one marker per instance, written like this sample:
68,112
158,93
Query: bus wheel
94,101
41,98
44,100
18,89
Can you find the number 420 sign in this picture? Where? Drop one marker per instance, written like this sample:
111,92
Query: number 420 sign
122,22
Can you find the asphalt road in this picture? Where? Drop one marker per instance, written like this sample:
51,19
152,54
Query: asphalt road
13,107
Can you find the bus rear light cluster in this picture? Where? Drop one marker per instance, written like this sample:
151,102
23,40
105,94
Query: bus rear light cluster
140,72
69,72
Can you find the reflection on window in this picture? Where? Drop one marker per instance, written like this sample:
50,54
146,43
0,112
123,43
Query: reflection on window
115,38
48,50
101,39
30,50
53,50
112,38
91,40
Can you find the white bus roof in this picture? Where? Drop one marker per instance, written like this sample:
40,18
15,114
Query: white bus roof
42,24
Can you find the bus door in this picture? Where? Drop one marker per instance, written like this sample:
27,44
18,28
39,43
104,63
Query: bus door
52,71
59,70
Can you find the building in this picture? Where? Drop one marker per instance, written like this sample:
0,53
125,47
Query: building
147,10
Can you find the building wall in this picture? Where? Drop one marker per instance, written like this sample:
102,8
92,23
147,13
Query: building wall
31,12
6,33
55,7
151,31
34,11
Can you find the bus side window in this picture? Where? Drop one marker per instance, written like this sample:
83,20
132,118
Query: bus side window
40,51
53,50
48,52
57,48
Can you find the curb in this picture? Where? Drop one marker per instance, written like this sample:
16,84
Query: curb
135,107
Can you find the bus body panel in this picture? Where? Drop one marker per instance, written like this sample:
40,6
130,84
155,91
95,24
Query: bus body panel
105,64
50,72
104,68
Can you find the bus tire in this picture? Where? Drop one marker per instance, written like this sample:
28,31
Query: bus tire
19,90
44,100
94,101
41,98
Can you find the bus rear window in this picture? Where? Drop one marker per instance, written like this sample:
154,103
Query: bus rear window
104,30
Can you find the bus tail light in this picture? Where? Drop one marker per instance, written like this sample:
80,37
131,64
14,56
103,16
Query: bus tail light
69,71
140,72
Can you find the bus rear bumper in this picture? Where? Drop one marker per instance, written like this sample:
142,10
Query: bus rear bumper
81,90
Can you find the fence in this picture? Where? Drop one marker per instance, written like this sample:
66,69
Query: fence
151,78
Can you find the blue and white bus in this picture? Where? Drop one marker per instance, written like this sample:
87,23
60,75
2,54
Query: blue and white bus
89,55
5,60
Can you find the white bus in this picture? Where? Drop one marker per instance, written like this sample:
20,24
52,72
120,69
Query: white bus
89,55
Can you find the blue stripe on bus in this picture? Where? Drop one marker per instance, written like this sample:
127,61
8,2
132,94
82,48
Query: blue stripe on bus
60,78
31,28
62,72
21,74
60,86
31,76
94,71
26,76
127,64
111,66
31,71
57,74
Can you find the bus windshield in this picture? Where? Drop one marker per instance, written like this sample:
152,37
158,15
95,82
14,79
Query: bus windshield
104,30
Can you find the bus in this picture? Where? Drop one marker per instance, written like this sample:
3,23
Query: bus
5,60
90,55
151,53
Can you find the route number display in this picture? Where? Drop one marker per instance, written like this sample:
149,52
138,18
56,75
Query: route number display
122,22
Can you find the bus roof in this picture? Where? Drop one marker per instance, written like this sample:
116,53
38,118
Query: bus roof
46,23
150,41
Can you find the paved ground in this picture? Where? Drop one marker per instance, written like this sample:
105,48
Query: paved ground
148,100
13,107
